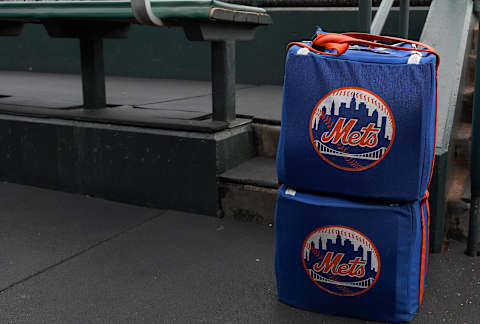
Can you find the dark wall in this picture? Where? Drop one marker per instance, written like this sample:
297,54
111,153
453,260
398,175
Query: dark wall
166,53
148,167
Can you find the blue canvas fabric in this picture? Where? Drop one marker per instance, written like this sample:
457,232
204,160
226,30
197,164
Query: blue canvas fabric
361,124
350,258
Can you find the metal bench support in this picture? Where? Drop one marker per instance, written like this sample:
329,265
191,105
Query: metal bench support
223,38
93,75
223,80
91,35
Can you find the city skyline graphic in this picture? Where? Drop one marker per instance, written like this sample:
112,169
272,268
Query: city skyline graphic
353,127
353,102
352,245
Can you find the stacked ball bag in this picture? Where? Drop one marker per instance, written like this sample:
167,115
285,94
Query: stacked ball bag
359,121
350,258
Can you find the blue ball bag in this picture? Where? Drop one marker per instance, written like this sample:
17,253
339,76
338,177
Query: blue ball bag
358,117
350,258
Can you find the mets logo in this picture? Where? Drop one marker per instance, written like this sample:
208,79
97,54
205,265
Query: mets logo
352,128
340,260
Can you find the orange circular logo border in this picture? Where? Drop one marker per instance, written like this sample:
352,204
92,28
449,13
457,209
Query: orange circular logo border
325,289
338,166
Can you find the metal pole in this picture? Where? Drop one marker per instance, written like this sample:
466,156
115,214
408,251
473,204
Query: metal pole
223,80
93,75
381,16
365,14
474,225
404,16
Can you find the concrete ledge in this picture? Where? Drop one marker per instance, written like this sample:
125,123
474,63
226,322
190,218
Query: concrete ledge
124,115
144,166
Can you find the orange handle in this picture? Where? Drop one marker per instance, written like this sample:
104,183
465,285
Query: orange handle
341,42
338,42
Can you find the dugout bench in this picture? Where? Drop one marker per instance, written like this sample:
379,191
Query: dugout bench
91,21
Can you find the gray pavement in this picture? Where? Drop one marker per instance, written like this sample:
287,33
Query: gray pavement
68,258
170,98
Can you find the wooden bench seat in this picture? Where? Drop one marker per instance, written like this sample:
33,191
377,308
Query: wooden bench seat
220,23
171,11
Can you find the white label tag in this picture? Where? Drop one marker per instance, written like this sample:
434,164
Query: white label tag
290,192
303,51
414,58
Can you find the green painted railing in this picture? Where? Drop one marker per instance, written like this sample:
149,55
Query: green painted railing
376,27
448,29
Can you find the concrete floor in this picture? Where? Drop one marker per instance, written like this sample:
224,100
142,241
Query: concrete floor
178,98
74,259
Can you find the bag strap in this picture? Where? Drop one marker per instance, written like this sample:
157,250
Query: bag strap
424,244
341,42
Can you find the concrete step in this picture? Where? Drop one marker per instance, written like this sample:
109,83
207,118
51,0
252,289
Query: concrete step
467,107
471,61
475,37
266,139
468,91
472,58
458,195
458,204
259,171
248,192
462,139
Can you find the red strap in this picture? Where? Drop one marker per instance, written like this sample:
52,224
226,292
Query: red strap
371,37
424,246
341,42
